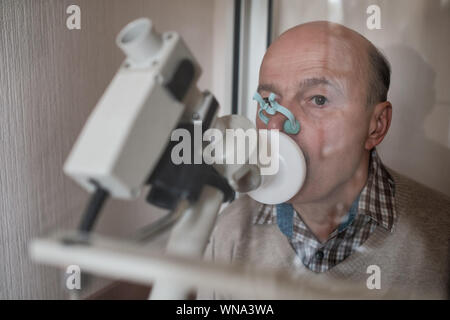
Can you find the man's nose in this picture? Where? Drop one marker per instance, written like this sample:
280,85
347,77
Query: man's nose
276,121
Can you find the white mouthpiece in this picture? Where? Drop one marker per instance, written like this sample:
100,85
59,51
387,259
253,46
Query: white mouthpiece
288,180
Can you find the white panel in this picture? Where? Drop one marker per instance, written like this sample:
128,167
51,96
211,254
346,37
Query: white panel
253,47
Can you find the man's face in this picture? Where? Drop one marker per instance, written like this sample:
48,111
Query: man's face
320,78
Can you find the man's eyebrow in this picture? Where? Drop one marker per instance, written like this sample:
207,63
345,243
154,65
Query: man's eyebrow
304,84
314,82
266,87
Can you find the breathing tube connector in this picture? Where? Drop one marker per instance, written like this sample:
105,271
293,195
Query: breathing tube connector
290,126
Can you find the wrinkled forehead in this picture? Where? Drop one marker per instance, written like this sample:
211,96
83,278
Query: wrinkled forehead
325,53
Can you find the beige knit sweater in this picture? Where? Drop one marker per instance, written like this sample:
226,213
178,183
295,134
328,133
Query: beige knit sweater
415,257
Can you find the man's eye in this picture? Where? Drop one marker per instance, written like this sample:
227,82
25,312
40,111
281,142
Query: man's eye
319,100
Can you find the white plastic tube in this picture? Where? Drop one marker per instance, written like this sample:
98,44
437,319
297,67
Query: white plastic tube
119,259
189,238
139,41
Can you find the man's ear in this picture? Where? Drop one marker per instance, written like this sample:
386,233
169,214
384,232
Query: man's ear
380,122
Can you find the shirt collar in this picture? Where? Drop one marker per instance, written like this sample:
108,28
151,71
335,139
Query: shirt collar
377,199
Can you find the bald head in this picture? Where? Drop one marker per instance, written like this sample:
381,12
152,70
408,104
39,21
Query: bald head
349,53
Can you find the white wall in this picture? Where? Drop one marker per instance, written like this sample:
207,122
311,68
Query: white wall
415,37
50,79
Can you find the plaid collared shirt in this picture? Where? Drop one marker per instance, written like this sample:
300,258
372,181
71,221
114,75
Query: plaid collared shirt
373,208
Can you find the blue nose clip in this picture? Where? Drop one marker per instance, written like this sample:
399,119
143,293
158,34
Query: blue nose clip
290,126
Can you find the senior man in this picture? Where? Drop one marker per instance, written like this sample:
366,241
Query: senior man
352,211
